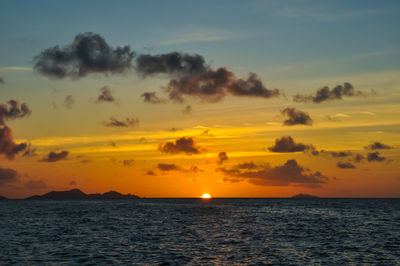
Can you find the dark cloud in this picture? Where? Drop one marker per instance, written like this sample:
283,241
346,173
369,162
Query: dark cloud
291,173
35,184
151,97
287,144
246,165
105,95
69,101
252,87
378,146
8,176
170,167
13,111
174,129
88,53
181,145
375,157
180,64
55,156
334,154
358,158
191,76
326,94
150,173
296,117
29,151
2,81
206,132
345,165
127,162
128,122
209,85
340,154
187,110
7,145
72,183
195,169
222,156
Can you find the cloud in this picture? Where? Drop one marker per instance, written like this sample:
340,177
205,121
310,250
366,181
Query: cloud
209,85
291,173
358,157
345,165
375,157
252,87
105,95
69,101
340,154
181,145
170,167
150,173
174,129
13,111
287,144
88,53
127,162
72,183
151,97
55,156
326,94
174,63
296,117
8,176
195,169
2,81
7,145
222,156
378,146
29,151
128,122
190,76
33,184
187,110
246,165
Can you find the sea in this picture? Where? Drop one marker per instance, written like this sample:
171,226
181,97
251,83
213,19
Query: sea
237,231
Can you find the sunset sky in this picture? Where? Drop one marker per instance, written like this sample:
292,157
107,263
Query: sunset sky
182,98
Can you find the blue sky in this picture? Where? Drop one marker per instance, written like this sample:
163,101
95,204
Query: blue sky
254,33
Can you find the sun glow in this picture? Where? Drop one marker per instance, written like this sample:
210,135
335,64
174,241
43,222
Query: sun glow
206,196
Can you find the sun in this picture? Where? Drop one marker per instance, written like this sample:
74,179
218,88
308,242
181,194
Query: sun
206,196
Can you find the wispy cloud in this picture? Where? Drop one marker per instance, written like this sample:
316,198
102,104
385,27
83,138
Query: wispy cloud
326,15
195,34
15,68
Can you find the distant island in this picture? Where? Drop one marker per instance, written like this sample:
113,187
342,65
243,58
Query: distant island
304,196
2,198
76,194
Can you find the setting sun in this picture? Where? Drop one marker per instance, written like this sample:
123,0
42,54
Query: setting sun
206,196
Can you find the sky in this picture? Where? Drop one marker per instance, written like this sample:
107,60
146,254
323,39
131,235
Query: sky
182,98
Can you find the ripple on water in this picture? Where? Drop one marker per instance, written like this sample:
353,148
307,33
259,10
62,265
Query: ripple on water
191,231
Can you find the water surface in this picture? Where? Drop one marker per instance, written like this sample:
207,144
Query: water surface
195,231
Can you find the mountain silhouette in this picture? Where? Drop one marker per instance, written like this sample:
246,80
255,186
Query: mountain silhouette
2,198
76,194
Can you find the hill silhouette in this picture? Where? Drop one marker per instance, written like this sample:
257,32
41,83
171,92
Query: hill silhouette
304,196
76,194
2,198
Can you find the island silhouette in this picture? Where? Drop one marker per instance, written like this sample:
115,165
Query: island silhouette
304,196
77,194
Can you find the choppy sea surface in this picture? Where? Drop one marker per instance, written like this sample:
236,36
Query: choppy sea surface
195,231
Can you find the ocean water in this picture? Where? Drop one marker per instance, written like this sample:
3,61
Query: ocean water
195,231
